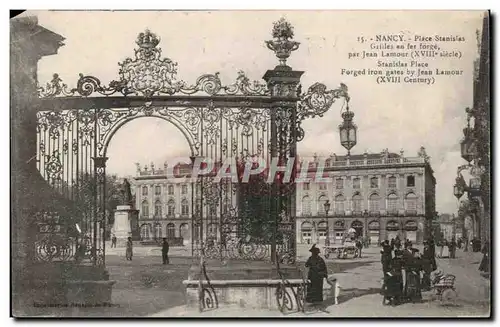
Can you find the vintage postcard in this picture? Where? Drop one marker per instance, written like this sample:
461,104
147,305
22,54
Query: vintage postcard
250,164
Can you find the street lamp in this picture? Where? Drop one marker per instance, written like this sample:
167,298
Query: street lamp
468,148
348,131
458,191
326,206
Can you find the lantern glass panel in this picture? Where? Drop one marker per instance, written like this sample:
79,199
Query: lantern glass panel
475,183
344,136
352,134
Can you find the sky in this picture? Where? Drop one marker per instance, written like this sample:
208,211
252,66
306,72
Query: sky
396,116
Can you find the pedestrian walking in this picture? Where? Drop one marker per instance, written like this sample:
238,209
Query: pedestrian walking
484,266
317,272
452,248
128,251
359,246
113,241
164,251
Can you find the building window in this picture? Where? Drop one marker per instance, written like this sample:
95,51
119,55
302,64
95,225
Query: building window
411,202
374,182
306,186
410,181
339,204
184,189
184,231
144,190
339,183
306,231
184,207
322,230
170,190
321,204
212,230
306,206
145,209
392,182
145,232
212,210
157,190
357,203
356,183
392,203
158,209
171,208
157,231
170,230
374,203
322,186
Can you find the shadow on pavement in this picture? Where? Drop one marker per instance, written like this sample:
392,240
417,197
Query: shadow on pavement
351,293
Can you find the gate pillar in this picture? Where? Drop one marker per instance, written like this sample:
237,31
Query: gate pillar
283,83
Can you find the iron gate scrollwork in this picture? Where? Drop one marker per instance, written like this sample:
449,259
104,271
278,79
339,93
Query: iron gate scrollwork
221,123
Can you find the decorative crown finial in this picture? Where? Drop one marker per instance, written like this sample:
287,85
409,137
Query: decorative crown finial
282,45
147,40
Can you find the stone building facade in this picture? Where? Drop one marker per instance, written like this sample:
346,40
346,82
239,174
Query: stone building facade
378,195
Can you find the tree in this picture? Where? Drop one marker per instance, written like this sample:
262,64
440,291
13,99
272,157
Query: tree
83,193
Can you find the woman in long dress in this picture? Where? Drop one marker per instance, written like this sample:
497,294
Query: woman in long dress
317,272
484,266
393,291
413,290
128,251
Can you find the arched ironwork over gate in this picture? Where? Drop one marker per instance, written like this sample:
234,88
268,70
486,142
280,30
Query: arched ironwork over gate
222,123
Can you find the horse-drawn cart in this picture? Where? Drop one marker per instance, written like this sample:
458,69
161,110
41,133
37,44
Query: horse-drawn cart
341,251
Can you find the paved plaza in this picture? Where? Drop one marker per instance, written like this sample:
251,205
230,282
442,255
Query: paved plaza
146,288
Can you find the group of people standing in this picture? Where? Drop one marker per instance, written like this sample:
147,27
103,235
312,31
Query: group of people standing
407,272
452,248
164,250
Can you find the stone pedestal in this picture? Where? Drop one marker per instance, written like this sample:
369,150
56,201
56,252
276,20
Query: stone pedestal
123,226
249,284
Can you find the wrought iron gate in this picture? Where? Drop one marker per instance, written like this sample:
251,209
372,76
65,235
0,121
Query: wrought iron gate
222,123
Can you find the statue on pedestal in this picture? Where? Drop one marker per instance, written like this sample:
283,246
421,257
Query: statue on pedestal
126,193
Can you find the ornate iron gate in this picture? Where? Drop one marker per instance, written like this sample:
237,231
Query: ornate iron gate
222,124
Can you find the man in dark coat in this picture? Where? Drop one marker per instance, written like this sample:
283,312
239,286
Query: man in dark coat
427,265
452,248
397,242
385,259
317,272
164,251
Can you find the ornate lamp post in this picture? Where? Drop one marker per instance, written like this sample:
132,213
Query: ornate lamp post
326,205
348,131
468,146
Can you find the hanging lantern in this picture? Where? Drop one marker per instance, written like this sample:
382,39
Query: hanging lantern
468,147
348,131
458,191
